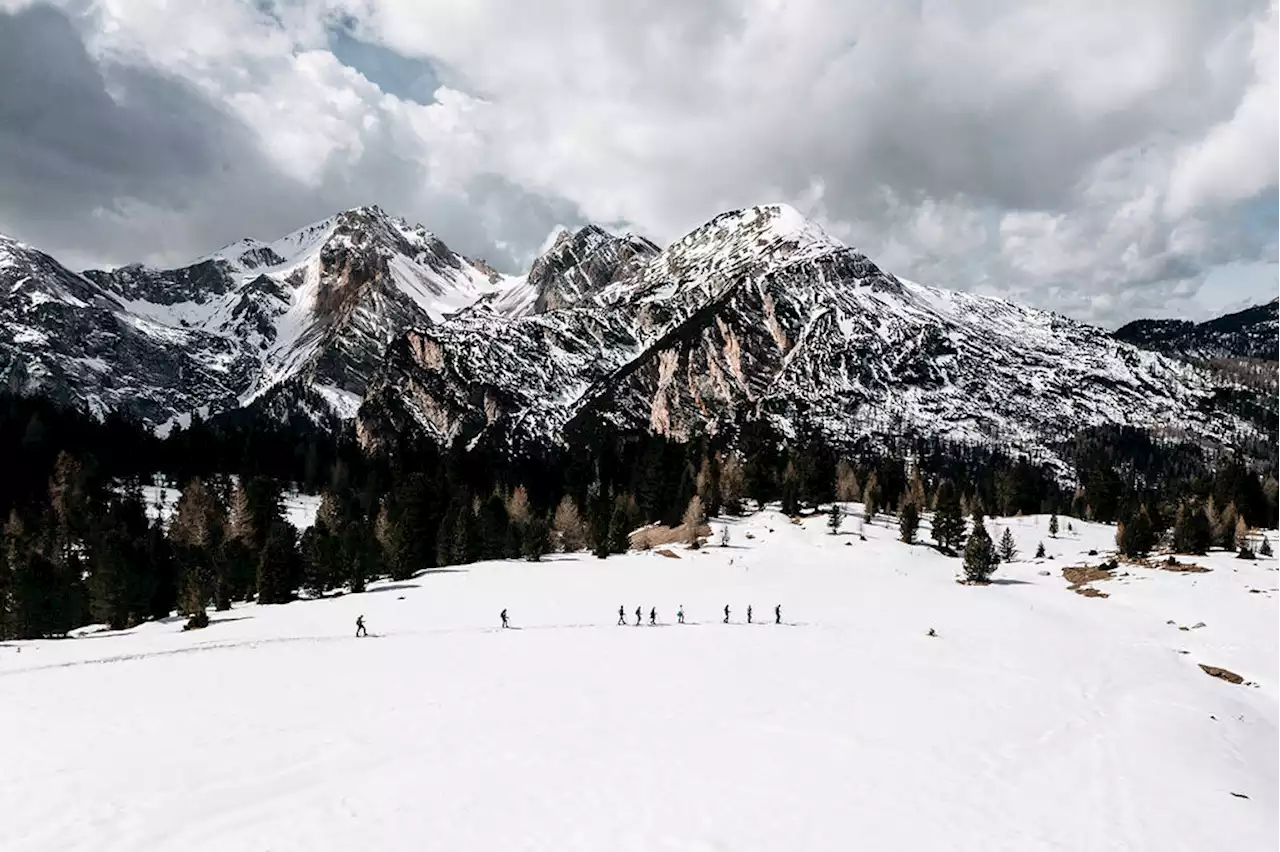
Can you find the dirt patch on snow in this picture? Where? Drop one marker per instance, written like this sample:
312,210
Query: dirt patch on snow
667,553
1079,576
1222,674
1171,563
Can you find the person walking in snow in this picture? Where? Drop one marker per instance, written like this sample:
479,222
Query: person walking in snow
680,615
360,631
726,613
639,616
622,616
777,614
653,616
503,616
748,613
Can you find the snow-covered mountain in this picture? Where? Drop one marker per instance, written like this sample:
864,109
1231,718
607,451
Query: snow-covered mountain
760,314
756,315
317,306
1251,333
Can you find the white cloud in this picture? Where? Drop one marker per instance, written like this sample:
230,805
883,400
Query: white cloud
1087,158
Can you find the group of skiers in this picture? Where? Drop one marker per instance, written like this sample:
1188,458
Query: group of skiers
653,615
622,617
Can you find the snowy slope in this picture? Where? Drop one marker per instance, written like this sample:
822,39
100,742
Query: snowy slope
1037,719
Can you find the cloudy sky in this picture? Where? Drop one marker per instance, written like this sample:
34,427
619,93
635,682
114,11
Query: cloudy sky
1104,159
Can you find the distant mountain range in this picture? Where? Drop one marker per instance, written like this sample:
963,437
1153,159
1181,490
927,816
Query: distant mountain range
1251,333
756,315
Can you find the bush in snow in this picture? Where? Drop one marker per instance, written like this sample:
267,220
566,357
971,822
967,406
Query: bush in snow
979,554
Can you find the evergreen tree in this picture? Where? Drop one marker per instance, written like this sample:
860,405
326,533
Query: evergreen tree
693,520
197,533
1040,550
1224,531
1134,535
1053,525
847,489
568,529
834,518
1265,548
120,575
871,496
536,540
494,529
731,485
277,564
623,519
1008,549
948,522
790,490
1191,531
708,486
980,559
908,520
164,572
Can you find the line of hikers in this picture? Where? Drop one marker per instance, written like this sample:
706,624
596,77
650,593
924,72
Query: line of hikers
622,617
653,615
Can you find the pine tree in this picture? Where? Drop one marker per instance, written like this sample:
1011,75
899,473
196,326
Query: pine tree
277,564
621,522
197,531
790,490
1008,549
915,491
1040,550
1241,536
948,521
1053,525
1191,531
536,541
495,534
1224,531
694,518
708,487
871,496
979,554
847,490
908,521
568,529
731,485
518,506
1265,548
834,518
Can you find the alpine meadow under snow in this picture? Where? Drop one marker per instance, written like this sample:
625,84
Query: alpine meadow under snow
1036,719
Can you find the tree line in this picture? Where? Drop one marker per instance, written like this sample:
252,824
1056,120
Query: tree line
80,545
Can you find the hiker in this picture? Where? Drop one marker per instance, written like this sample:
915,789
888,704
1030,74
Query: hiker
777,614
653,616
360,631
748,613
726,613
622,616
638,616
503,616
680,615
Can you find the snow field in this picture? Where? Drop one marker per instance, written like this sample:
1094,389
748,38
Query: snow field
1038,719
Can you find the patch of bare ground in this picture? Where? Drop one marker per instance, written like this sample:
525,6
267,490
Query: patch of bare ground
1222,674
1079,576
667,553
1171,563
657,535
